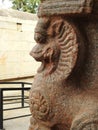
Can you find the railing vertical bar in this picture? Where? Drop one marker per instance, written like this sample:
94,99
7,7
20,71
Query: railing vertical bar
22,89
1,109
22,94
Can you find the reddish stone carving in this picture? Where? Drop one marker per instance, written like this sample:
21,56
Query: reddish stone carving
64,92
39,106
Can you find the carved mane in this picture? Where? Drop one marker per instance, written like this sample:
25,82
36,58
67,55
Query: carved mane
67,40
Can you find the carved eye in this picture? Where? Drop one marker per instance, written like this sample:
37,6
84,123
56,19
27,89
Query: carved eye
41,30
56,28
39,38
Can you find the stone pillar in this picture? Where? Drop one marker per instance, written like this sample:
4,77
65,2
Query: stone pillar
64,94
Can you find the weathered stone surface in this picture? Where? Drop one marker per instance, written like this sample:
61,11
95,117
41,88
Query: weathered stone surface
64,94
66,7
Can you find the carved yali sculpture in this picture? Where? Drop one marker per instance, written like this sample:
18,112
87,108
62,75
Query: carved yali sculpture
64,93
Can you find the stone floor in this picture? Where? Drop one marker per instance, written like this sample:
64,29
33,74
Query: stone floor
18,123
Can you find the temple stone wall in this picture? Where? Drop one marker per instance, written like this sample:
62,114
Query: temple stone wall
16,41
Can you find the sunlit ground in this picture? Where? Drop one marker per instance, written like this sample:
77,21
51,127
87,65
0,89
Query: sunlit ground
18,123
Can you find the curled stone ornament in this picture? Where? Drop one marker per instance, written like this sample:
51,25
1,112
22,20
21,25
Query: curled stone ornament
39,106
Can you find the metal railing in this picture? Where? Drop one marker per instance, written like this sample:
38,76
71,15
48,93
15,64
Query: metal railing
3,99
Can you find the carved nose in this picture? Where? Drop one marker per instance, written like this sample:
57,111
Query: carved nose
36,49
36,52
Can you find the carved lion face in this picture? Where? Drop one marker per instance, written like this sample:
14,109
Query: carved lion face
47,49
57,46
47,54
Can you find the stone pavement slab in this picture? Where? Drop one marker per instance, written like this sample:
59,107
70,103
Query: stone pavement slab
18,123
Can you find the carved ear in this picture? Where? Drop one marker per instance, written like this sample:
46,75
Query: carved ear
55,28
67,40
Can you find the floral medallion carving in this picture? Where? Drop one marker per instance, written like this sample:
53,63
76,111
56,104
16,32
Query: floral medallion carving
39,106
